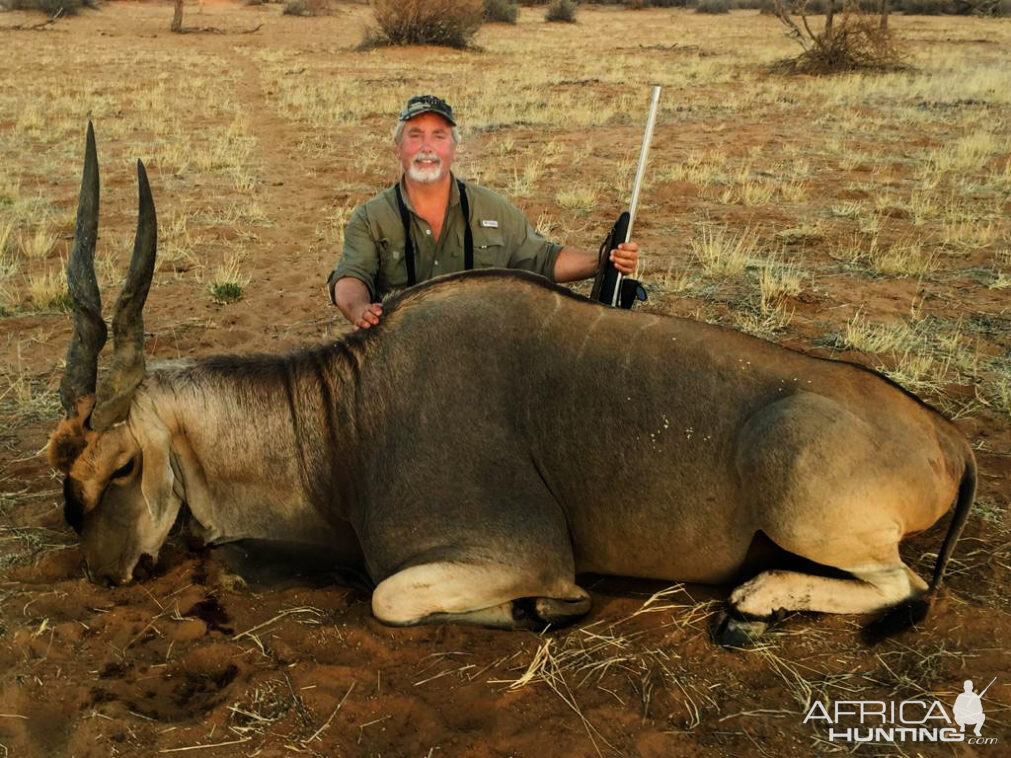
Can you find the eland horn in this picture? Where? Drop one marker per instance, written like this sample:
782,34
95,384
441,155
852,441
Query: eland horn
127,320
89,329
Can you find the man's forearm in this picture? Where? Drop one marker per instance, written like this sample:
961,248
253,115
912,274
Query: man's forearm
572,264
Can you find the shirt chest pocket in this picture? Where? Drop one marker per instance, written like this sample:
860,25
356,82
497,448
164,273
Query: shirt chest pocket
392,264
490,248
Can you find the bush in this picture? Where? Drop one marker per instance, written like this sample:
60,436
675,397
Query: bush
308,8
713,6
503,11
561,10
926,7
49,7
450,23
857,43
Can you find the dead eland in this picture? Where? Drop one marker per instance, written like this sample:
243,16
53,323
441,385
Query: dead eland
497,435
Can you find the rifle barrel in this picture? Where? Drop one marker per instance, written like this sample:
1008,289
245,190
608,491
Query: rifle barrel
639,174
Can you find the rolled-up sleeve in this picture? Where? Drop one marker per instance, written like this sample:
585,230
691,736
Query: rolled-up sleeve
530,251
360,257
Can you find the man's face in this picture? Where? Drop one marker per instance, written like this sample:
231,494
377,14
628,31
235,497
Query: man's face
426,148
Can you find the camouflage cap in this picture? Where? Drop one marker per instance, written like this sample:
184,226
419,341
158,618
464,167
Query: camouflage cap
427,104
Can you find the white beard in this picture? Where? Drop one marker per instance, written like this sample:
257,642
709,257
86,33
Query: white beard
425,174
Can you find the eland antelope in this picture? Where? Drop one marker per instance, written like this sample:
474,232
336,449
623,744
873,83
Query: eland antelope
495,436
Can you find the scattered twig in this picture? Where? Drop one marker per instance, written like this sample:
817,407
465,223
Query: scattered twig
326,724
214,30
278,617
204,747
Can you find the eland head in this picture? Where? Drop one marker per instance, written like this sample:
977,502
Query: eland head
118,478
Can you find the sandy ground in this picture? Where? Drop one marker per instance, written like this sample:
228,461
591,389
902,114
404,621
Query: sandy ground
192,661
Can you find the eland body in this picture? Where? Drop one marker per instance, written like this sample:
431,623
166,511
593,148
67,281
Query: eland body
496,435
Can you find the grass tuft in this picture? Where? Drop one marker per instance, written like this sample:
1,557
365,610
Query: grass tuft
229,281
48,290
720,252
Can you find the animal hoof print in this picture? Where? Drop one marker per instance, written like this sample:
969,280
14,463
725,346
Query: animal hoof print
731,630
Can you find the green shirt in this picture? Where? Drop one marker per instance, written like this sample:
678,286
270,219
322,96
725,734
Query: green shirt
374,241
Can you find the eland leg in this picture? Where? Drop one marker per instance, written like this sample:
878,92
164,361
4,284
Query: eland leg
872,589
482,595
754,603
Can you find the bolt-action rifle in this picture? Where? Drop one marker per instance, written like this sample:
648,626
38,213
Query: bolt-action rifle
610,286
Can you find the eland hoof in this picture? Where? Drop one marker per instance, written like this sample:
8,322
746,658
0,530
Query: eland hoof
733,629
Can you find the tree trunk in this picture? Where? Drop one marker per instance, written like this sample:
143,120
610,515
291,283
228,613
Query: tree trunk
177,17
884,16
829,15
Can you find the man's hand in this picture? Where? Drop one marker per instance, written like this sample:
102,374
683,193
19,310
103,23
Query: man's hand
625,257
367,316
353,298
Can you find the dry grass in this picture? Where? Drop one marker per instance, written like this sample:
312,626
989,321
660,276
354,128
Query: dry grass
721,252
1001,269
48,290
609,657
900,259
583,199
38,244
779,281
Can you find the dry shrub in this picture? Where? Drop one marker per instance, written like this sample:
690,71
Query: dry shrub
49,7
561,10
501,11
851,41
308,8
450,23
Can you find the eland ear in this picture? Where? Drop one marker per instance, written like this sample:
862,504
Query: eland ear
157,480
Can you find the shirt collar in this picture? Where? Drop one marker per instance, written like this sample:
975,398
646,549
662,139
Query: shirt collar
454,192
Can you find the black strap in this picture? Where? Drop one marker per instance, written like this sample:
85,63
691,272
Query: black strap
405,218
468,236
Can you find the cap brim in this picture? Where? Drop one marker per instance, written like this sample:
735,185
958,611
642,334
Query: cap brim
428,110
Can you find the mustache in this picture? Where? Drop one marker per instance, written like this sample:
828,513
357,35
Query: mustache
427,157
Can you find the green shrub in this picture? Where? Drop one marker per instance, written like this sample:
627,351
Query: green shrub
226,292
450,23
502,11
561,10
713,6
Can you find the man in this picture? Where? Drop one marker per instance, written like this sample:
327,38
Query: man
430,224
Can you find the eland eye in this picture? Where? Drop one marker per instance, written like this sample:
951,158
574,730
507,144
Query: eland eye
123,470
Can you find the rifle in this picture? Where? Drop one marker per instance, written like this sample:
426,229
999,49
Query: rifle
609,286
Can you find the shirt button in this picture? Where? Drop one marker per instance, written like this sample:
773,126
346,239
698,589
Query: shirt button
428,232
